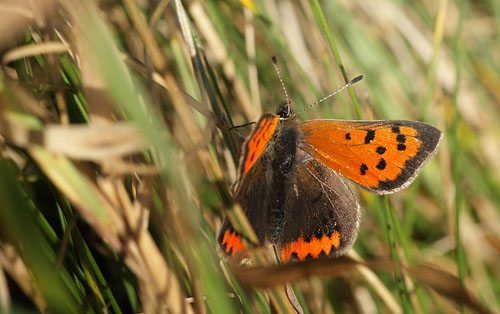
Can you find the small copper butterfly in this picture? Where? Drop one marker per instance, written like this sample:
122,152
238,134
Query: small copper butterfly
289,185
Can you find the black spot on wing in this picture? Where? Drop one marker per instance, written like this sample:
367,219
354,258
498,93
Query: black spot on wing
363,169
381,150
401,138
381,164
307,238
370,135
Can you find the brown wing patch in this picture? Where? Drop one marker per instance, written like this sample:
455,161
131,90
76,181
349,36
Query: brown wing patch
256,143
322,215
381,156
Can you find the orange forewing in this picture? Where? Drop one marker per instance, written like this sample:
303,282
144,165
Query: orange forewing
370,152
257,142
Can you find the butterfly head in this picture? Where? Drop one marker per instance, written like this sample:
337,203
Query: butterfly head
285,110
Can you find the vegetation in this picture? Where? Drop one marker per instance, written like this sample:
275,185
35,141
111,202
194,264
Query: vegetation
118,152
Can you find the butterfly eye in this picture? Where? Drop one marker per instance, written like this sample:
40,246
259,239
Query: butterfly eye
285,110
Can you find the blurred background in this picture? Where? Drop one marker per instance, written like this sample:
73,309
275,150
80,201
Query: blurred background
117,154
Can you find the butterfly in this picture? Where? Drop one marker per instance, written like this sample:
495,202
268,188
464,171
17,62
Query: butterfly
290,185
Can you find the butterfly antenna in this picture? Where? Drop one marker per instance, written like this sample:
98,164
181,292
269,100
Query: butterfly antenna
275,63
241,125
353,81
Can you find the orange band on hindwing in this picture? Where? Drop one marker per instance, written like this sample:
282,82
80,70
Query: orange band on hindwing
302,249
257,142
231,242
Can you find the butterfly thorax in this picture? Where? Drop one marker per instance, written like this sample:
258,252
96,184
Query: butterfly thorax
284,147
283,144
